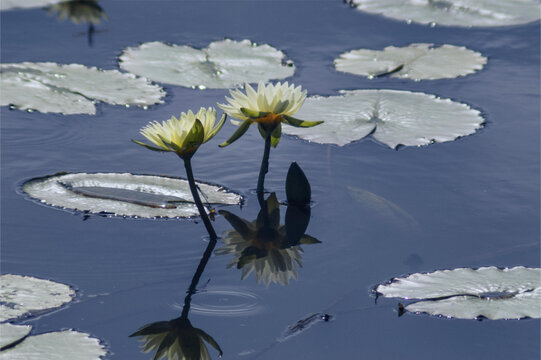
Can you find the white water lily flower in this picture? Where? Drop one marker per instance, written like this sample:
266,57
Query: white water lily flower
269,106
183,135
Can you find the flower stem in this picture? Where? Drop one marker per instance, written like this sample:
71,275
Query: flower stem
197,199
196,277
264,165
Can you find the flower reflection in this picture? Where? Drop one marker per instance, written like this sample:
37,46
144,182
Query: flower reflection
176,339
263,246
79,11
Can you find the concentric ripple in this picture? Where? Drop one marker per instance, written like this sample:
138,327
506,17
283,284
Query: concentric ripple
226,302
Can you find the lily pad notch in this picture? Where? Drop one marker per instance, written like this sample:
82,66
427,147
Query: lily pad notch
223,64
125,194
394,118
415,62
465,293
72,89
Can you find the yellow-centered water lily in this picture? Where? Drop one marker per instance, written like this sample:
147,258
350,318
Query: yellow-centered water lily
184,135
269,107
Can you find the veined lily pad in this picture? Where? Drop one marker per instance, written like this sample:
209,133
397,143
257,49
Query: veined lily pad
67,344
415,62
455,12
125,194
10,334
22,295
465,293
223,64
392,117
26,4
72,89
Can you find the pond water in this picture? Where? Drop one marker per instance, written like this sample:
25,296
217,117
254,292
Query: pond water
467,203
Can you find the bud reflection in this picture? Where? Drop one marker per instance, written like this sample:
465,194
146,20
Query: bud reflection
263,246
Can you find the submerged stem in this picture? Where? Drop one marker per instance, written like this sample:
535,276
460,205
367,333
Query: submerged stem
197,199
264,165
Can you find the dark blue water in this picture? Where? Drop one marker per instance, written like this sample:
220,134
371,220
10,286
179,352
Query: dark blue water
474,201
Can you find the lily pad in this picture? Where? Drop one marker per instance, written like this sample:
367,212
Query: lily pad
72,89
466,13
67,344
465,293
415,62
223,64
390,116
24,295
26,4
10,334
127,195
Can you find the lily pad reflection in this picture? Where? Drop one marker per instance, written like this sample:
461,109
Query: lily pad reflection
223,64
125,194
465,293
392,117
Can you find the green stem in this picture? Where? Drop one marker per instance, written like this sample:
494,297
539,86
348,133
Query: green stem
264,165
197,199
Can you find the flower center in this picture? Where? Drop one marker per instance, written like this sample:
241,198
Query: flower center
270,119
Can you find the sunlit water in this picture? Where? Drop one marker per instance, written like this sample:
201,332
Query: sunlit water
470,202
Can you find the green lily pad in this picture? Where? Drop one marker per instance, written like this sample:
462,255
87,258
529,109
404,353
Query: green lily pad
414,62
72,89
465,293
392,117
464,13
126,195
25,295
223,64
67,344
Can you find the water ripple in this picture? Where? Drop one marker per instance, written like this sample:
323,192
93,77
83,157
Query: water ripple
226,301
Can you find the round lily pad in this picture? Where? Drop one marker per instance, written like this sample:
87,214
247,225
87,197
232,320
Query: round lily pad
127,195
67,344
223,64
465,293
415,62
72,89
25,295
465,13
392,117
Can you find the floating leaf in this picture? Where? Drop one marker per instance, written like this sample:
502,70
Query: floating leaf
465,293
72,89
392,117
10,334
223,64
124,194
23,295
415,62
26,4
67,344
455,12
